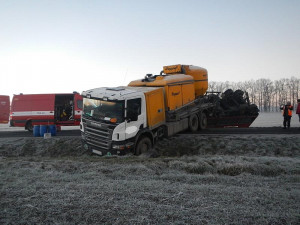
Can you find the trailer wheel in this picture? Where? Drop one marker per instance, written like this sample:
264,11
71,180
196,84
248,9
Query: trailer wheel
29,126
193,123
203,121
143,146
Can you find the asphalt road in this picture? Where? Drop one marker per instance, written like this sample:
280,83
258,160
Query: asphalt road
252,130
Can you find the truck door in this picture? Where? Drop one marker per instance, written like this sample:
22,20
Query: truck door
133,109
78,105
64,108
4,109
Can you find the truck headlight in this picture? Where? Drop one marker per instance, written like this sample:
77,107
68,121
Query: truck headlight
119,147
123,146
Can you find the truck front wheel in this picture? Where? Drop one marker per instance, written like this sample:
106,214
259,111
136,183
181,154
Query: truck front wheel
193,123
144,145
203,121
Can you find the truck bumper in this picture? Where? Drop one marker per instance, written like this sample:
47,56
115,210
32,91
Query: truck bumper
117,148
105,152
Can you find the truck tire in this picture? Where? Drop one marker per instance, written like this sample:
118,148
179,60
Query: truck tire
203,121
193,123
29,126
144,145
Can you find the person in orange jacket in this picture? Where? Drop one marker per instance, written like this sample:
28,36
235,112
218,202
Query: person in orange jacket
298,109
287,114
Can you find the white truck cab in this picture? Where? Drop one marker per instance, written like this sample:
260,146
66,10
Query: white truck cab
114,118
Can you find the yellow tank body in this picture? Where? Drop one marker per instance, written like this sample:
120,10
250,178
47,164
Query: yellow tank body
200,77
155,107
199,74
178,88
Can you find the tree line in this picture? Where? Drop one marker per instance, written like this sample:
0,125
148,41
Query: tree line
267,94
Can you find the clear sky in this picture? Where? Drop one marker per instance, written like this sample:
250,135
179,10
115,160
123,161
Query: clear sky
64,46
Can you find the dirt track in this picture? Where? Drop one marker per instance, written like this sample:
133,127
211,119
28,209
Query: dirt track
242,179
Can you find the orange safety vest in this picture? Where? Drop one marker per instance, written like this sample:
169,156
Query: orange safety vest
290,108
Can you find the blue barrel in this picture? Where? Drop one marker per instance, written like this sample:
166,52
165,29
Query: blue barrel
36,130
52,129
43,129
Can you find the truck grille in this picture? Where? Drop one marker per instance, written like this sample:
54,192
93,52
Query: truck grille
97,134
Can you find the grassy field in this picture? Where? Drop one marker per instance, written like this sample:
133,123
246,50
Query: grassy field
195,180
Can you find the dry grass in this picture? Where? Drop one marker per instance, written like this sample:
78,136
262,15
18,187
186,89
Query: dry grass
251,145
54,182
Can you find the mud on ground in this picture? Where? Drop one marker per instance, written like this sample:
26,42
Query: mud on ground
206,179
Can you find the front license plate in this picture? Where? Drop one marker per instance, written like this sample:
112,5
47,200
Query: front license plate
97,152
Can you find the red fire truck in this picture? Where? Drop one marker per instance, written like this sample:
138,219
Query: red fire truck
4,108
45,109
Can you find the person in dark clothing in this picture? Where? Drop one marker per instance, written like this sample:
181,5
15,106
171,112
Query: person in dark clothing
287,114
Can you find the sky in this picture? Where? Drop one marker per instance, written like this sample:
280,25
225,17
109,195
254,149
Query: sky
51,46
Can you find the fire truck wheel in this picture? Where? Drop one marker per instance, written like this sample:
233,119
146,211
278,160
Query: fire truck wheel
29,126
144,145
203,121
193,123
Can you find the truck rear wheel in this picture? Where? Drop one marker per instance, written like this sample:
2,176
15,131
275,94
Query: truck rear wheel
193,123
203,121
143,146
29,126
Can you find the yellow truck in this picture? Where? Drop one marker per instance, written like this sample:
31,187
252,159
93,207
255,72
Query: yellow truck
132,118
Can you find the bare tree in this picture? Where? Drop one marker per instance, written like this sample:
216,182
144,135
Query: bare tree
268,95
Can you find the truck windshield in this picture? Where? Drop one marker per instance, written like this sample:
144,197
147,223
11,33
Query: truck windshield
103,110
